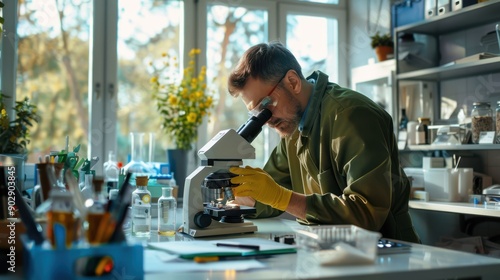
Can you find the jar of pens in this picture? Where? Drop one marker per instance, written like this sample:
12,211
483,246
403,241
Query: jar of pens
83,236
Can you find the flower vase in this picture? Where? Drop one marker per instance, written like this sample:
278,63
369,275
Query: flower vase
18,161
178,162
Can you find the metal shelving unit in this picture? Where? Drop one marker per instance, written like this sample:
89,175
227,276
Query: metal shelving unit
454,71
472,16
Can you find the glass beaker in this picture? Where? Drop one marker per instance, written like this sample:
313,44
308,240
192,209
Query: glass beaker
136,164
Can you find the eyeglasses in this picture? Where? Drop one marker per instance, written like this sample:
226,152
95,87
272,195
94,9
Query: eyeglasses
266,101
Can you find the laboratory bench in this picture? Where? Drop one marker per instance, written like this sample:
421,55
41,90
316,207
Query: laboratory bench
435,220
482,209
420,262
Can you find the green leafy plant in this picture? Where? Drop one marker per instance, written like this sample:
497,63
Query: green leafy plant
181,104
381,40
14,135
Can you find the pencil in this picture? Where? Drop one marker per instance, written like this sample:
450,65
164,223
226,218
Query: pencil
204,259
242,246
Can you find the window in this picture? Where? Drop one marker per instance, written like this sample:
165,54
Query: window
230,30
87,63
146,30
52,70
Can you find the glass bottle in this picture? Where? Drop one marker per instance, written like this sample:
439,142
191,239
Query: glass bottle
96,208
136,166
482,119
87,189
422,135
498,122
111,172
403,123
141,207
167,207
62,220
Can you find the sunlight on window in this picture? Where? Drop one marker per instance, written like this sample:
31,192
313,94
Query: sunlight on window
53,61
314,52
146,30
231,31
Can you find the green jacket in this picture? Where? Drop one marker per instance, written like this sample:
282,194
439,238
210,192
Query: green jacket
346,161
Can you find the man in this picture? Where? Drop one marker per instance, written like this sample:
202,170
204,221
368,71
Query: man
337,162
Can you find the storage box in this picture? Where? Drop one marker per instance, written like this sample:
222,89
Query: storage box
432,162
337,245
43,262
405,12
448,184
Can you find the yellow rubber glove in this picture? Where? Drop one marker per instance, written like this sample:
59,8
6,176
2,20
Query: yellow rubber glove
256,183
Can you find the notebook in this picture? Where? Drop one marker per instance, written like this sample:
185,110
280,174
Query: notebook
202,248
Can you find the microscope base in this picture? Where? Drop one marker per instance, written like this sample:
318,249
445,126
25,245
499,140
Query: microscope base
218,228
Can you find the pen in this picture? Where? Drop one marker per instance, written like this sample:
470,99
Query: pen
228,258
242,246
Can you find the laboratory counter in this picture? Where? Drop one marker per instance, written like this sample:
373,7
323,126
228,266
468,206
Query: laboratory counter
420,262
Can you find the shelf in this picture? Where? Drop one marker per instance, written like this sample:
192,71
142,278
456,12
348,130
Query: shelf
454,71
457,207
474,15
467,147
374,73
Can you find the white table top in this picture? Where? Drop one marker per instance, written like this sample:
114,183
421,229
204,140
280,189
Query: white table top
422,262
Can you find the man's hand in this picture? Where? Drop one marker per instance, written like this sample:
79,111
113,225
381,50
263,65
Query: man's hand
256,183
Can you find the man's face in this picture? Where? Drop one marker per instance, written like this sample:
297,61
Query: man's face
285,107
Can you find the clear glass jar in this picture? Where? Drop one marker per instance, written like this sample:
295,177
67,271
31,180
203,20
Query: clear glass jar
141,207
167,207
498,123
482,119
422,135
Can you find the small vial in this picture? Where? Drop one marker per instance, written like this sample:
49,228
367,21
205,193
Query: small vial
141,207
167,207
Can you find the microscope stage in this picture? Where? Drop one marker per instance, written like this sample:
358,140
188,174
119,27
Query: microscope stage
221,212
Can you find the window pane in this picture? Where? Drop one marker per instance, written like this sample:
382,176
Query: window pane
314,52
52,70
146,29
230,32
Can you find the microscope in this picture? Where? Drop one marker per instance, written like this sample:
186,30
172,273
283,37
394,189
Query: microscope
208,207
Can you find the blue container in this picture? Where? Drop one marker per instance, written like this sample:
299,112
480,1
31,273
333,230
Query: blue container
47,263
405,12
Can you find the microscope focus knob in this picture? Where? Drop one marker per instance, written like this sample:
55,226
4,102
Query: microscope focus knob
202,220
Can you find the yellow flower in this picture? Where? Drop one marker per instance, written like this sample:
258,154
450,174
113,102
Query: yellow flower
173,100
182,98
191,117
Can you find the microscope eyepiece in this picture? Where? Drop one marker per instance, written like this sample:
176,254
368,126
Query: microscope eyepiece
253,126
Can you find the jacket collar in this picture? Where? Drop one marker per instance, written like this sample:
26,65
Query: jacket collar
313,107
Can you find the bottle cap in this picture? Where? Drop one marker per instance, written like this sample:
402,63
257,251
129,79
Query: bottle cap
141,180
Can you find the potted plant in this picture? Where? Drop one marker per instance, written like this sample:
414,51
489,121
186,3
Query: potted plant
182,102
383,45
14,134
